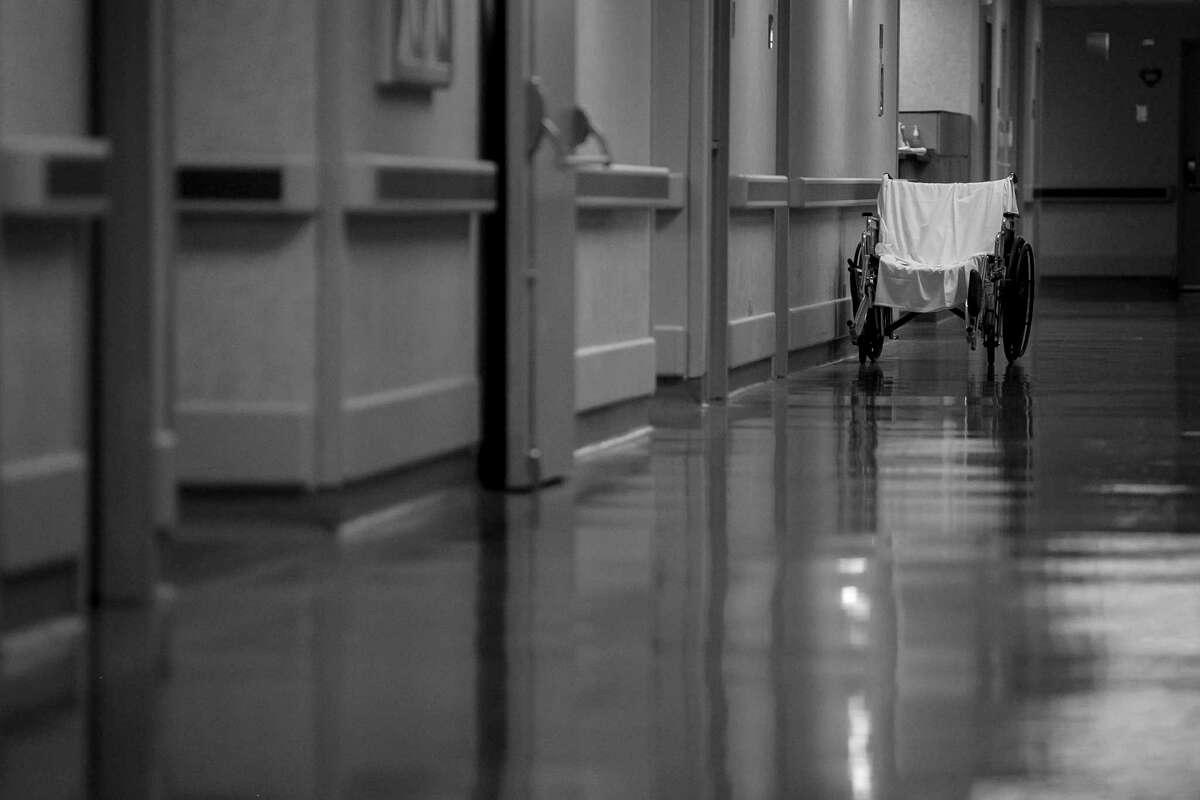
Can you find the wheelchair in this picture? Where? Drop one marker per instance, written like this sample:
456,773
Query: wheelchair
929,248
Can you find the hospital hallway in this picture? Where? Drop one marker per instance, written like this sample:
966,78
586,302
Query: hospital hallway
905,580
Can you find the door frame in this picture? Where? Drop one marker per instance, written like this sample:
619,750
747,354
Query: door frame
528,299
716,378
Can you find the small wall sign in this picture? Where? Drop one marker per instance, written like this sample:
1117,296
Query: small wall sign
416,43
1150,76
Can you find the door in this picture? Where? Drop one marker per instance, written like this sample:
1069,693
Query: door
1189,157
529,274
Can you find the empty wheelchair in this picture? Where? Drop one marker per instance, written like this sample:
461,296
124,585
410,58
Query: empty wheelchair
943,246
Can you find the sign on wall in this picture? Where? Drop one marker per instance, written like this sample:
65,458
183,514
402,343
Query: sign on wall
416,46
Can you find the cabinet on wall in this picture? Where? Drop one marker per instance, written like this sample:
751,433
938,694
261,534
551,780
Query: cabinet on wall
946,137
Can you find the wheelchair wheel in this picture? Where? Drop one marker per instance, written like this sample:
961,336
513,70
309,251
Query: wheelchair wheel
991,336
1017,307
854,270
870,340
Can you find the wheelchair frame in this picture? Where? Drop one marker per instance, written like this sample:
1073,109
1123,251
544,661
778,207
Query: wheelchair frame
999,301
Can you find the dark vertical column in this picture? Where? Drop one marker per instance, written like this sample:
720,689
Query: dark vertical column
493,249
783,215
166,486
135,110
717,378
3,535
986,96
123,716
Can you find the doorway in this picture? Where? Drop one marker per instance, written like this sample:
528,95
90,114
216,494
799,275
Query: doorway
985,97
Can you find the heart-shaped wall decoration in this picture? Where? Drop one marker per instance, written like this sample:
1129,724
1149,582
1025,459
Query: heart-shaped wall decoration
1150,75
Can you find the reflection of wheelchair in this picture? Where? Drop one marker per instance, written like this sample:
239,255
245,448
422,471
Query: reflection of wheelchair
928,250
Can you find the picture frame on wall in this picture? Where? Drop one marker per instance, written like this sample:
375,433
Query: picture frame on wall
416,43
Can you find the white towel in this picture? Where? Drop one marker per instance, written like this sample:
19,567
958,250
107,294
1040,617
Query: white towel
932,235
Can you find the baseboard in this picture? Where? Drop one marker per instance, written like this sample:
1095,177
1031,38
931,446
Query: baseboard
610,422
42,664
382,504
44,513
686,390
750,374
227,444
818,354
361,508
751,339
47,592
610,373
387,430
670,352
818,323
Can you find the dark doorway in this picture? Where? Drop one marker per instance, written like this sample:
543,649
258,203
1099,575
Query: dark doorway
985,99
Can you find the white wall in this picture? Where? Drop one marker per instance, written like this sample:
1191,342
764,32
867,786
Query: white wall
835,128
836,132
44,293
318,327
752,123
939,56
613,250
612,75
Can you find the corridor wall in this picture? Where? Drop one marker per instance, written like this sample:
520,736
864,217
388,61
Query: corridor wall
246,270
327,308
1094,148
52,190
680,127
939,56
615,347
409,313
752,113
942,54
940,63
839,146
1031,114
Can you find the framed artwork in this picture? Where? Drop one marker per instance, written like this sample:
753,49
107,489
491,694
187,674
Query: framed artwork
416,43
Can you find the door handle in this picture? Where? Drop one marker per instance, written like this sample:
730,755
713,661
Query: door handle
539,127
1190,179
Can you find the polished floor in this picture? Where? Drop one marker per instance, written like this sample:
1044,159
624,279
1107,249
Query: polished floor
910,580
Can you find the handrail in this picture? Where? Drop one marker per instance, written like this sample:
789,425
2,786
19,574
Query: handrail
1100,194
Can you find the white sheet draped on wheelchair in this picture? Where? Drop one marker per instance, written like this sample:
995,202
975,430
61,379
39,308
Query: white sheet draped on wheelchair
932,236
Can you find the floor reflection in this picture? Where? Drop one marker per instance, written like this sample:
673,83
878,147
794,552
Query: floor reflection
903,580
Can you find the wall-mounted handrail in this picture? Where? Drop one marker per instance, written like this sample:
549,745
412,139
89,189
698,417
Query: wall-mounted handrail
1105,194
833,192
